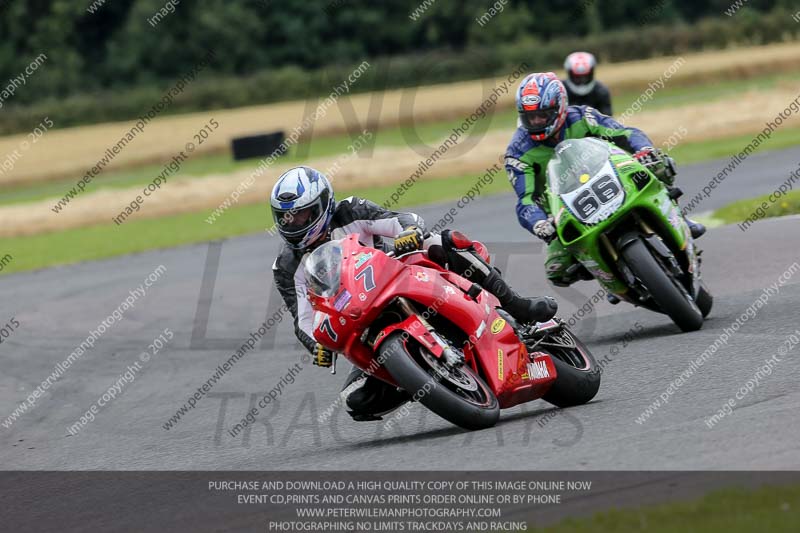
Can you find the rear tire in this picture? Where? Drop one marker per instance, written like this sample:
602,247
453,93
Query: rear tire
668,294
402,360
574,386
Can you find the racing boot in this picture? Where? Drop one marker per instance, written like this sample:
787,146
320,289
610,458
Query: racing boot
463,259
695,228
525,310
368,398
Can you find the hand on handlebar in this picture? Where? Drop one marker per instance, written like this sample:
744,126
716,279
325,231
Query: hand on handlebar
409,240
647,156
322,356
545,230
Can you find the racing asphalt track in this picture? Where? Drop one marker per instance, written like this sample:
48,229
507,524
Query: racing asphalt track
57,307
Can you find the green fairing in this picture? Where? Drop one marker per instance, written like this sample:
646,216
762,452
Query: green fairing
651,203
538,157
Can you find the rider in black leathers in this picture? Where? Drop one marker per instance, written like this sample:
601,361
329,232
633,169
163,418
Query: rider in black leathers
307,215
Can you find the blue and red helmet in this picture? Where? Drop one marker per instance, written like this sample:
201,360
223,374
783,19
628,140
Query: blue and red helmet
542,105
302,206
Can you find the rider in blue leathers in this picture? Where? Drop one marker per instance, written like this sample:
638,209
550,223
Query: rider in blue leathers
546,119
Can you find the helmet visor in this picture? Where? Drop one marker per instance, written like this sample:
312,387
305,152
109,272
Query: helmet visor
581,79
291,221
538,121
295,223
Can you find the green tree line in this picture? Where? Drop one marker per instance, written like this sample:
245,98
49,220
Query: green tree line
106,59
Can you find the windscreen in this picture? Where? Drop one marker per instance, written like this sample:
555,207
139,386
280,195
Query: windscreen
575,162
323,268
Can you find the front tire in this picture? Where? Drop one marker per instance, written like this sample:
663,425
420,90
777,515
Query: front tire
668,294
409,365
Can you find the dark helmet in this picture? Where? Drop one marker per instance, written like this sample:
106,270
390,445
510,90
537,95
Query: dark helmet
580,72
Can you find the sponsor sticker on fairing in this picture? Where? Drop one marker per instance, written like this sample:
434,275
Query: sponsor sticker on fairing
500,373
675,218
538,370
342,300
362,258
619,151
498,325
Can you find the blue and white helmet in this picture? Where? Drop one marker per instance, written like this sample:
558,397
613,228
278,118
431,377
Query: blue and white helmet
302,206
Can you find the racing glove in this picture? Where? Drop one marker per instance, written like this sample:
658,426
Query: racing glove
322,356
409,240
545,230
659,163
647,156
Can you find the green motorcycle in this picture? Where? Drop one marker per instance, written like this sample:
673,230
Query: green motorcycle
623,225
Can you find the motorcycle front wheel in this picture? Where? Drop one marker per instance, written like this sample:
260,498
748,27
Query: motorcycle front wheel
671,297
456,394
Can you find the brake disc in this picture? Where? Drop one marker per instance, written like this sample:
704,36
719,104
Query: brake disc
456,376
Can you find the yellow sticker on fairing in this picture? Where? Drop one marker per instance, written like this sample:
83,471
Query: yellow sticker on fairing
500,365
498,325
584,178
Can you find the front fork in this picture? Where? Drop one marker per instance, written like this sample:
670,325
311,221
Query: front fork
451,356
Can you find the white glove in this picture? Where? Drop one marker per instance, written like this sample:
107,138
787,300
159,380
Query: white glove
545,230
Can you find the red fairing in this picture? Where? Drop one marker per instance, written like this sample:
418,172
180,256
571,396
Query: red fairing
371,281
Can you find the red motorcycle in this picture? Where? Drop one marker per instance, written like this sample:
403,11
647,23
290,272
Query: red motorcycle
444,340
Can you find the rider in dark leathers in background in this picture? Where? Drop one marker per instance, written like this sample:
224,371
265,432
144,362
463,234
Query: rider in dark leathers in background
582,88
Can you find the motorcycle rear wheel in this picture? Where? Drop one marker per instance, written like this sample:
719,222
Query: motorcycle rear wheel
578,374
459,396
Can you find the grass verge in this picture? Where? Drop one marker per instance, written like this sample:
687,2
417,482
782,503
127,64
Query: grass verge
725,148
759,208
429,132
109,240
773,509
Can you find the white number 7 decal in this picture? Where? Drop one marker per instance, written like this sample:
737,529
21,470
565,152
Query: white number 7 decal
326,327
369,278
